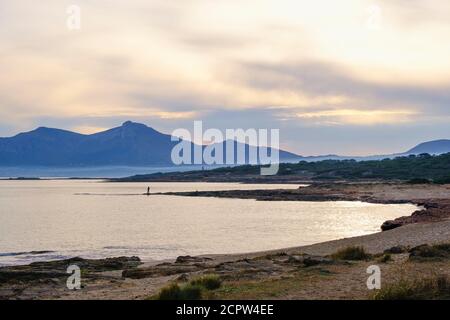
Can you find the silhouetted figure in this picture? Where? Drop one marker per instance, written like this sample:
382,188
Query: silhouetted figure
148,191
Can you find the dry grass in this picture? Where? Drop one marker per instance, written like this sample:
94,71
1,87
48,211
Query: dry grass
194,290
429,253
432,288
351,253
209,282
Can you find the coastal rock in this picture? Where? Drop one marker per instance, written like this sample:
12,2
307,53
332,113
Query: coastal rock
396,250
390,224
190,259
427,252
159,270
48,270
247,268
295,259
316,260
15,276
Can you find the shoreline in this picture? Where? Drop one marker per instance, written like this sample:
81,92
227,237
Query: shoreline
131,278
433,201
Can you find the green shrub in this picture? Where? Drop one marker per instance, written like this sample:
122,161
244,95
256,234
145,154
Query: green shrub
426,252
209,282
171,292
351,253
175,292
191,292
385,258
437,287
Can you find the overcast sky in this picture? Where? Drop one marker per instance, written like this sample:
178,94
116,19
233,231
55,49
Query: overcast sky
350,77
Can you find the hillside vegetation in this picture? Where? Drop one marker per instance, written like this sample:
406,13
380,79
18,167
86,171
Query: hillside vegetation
414,168
423,168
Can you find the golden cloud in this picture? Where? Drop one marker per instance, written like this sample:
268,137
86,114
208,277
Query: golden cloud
359,117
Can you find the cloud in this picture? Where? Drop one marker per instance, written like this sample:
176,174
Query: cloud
290,64
331,91
359,117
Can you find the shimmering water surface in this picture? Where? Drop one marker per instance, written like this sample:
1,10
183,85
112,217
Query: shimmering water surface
95,219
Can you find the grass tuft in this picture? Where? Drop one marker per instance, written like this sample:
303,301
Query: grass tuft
209,282
175,292
433,288
428,253
193,290
351,253
385,258
170,292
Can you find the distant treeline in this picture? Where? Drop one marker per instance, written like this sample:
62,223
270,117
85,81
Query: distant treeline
422,168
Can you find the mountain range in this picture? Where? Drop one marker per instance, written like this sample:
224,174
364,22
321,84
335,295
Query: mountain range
133,144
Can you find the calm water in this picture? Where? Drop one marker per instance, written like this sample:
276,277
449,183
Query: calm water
95,219
91,172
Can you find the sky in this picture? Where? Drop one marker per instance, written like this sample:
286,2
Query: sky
349,77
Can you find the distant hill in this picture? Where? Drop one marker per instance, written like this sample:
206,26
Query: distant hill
131,144
431,147
420,169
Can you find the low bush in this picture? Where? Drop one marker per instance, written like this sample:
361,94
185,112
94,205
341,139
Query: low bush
433,288
175,292
385,258
192,290
426,252
209,282
351,253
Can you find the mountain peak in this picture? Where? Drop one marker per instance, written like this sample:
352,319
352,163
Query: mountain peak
129,123
44,129
134,125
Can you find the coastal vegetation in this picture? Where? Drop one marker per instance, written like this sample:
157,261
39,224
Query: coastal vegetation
413,169
430,288
193,290
427,252
425,167
177,292
351,253
386,257
209,282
